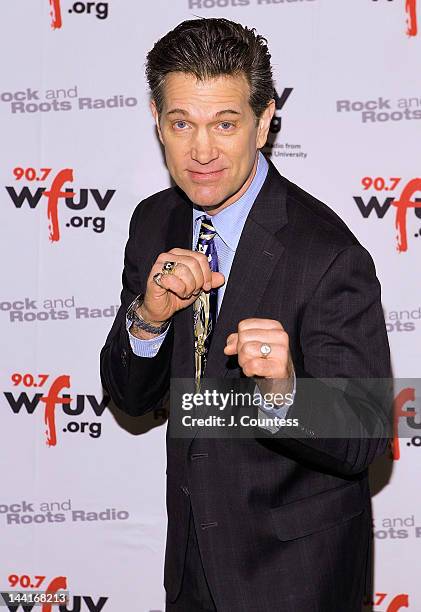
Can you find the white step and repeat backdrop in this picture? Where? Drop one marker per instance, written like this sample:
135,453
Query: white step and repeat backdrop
82,497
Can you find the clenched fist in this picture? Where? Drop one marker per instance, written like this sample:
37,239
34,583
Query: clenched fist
178,290
274,374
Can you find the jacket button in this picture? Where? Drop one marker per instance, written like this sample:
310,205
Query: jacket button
207,525
185,490
198,456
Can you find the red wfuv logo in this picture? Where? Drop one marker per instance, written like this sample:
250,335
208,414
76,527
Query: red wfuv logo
74,201
56,591
404,203
72,405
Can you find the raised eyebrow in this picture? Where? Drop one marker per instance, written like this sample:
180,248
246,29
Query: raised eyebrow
178,111
227,111
181,111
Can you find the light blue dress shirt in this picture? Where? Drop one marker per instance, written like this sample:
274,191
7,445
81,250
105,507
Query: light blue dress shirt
229,224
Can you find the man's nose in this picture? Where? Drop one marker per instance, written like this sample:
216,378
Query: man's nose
203,149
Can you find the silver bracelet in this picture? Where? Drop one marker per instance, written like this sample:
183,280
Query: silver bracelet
137,320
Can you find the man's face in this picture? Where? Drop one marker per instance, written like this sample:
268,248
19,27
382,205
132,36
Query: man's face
210,136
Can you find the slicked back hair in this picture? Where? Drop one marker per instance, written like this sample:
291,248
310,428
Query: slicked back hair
208,48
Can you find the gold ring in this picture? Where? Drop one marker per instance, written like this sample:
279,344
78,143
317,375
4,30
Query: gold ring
168,267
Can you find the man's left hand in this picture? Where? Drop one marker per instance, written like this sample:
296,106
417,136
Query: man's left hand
274,374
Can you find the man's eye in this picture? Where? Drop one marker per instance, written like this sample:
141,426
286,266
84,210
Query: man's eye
226,125
179,125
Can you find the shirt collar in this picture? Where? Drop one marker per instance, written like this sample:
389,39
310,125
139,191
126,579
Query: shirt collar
230,221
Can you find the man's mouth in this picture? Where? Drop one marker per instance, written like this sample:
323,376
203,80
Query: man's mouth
205,176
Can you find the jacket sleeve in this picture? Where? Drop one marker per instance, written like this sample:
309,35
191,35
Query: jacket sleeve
136,384
344,399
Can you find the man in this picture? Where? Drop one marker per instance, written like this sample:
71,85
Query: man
240,271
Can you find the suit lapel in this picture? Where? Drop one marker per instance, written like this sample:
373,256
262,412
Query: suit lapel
256,258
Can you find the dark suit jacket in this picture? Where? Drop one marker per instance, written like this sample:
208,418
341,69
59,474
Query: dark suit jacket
283,523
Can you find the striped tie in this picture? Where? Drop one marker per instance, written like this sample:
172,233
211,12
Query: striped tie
205,306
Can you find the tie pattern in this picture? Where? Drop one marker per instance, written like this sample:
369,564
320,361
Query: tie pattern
205,306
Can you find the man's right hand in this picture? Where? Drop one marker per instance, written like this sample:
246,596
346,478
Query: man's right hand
179,289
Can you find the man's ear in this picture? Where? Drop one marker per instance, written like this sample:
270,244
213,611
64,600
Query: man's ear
264,124
154,111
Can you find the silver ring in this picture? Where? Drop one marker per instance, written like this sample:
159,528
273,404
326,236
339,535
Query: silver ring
168,267
265,349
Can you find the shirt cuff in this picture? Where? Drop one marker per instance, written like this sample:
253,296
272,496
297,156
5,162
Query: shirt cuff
145,348
268,410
